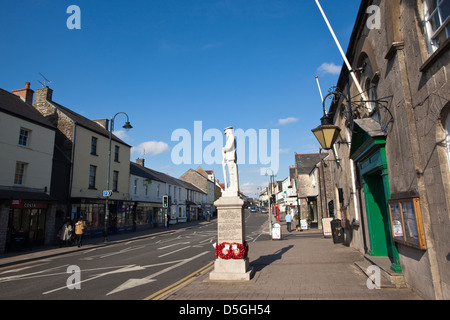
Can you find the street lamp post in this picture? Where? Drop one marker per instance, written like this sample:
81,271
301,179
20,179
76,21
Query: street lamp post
127,126
271,177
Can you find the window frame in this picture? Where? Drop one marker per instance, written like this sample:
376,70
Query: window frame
116,153
447,137
115,180
432,36
20,172
92,176
94,144
24,137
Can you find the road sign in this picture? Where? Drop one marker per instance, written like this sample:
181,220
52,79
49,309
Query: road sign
107,193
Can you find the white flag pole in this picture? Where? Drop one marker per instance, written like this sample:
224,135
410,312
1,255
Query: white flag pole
321,96
363,97
350,69
320,90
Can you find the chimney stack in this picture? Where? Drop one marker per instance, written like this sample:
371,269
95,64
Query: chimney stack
103,122
140,162
26,93
43,94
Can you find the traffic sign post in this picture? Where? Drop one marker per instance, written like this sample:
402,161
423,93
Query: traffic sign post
107,193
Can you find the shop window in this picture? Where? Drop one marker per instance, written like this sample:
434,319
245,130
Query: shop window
437,22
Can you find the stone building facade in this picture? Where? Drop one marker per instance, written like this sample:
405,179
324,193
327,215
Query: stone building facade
84,143
312,183
393,148
199,178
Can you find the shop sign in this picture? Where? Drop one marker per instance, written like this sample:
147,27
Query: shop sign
20,204
15,202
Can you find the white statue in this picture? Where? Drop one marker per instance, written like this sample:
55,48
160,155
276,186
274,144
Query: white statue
229,160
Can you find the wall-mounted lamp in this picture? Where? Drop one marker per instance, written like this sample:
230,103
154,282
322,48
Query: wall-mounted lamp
326,133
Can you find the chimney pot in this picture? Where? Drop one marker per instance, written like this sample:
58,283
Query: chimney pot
25,93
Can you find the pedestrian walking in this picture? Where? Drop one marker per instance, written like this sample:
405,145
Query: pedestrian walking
80,228
288,219
66,234
167,221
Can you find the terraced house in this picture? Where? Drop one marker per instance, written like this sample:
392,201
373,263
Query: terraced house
85,145
27,208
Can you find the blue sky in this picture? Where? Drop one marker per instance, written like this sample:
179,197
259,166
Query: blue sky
167,63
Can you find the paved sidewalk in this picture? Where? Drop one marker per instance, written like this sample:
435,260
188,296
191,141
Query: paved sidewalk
303,265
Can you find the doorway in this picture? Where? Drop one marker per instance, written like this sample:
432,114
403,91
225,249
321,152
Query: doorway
368,150
376,192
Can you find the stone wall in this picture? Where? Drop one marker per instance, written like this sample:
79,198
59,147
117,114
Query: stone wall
416,92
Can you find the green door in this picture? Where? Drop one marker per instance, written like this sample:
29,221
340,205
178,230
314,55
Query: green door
377,215
377,192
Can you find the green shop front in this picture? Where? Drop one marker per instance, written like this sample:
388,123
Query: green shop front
368,151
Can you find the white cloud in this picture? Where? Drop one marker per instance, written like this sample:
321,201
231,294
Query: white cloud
122,135
286,151
250,189
330,68
287,121
151,147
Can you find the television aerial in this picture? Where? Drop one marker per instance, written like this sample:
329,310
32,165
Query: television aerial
46,81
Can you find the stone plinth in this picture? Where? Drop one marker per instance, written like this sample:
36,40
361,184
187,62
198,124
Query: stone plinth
231,229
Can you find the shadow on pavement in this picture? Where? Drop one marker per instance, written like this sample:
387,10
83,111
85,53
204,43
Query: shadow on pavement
264,261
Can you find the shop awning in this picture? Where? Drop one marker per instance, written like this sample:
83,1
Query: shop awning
25,195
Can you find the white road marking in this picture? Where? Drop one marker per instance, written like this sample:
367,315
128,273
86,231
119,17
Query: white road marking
132,283
175,244
166,254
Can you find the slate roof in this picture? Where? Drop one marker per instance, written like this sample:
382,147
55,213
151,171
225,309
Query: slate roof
148,173
14,105
85,122
306,162
372,127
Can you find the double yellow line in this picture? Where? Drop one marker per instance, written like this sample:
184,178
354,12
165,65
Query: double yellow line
180,283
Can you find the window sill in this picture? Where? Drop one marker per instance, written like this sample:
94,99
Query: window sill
435,56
